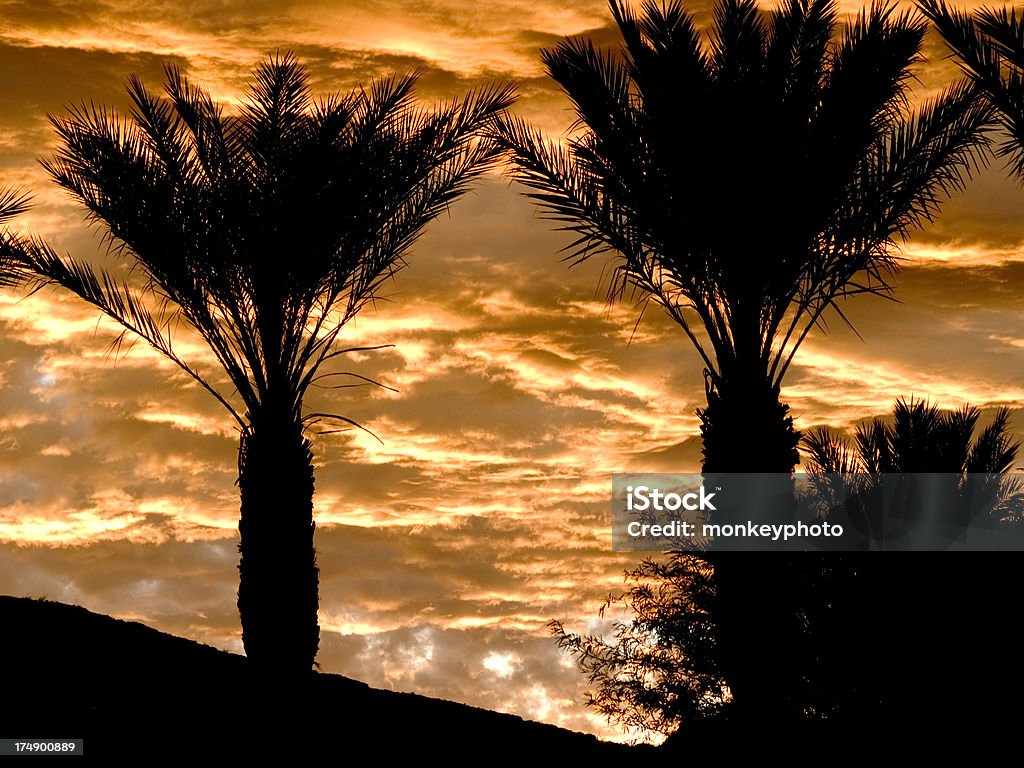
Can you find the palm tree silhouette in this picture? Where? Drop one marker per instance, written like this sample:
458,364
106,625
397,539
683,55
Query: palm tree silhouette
889,634
745,185
990,50
967,478
264,232
919,438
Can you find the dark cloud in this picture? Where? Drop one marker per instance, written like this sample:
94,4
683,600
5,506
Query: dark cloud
42,79
989,215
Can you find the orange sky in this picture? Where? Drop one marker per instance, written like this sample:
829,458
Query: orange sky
445,551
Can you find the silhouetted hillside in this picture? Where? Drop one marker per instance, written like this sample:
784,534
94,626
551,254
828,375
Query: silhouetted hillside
70,673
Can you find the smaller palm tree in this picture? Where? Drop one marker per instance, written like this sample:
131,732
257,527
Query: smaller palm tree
661,669
895,623
921,438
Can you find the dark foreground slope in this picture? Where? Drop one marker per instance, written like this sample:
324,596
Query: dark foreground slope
127,688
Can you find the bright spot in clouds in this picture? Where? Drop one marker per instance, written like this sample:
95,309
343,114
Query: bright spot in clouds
501,664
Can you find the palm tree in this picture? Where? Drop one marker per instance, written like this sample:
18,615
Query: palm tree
990,50
900,625
264,232
919,438
965,475
745,184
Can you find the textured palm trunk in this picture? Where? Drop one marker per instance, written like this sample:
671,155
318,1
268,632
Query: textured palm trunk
279,579
745,428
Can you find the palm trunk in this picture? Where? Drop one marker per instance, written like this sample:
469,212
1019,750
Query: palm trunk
745,428
279,579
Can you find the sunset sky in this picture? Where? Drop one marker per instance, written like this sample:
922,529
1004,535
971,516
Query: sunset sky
484,514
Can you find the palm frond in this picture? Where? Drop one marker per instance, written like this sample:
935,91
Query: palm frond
927,157
990,51
13,202
829,454
597,82
799,36
874,448
738,41
1005,30
663,52
118,301
995,451
274,114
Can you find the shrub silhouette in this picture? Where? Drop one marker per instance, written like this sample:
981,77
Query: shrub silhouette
660,669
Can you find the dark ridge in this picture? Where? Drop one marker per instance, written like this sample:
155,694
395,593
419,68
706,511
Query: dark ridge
130,690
